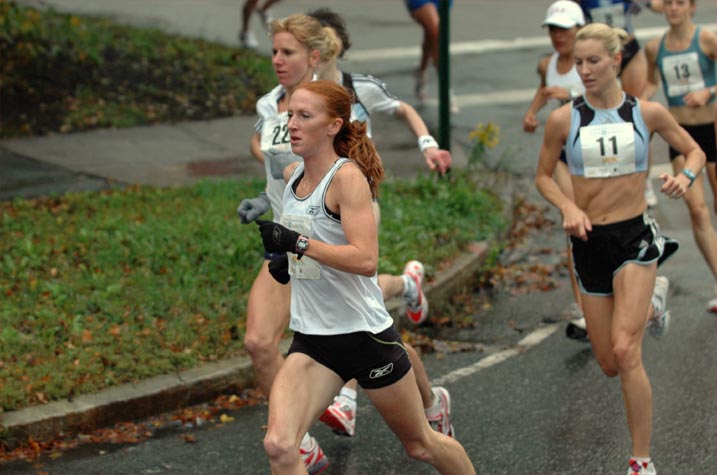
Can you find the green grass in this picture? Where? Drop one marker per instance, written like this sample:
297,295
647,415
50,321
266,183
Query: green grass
65,73
100,289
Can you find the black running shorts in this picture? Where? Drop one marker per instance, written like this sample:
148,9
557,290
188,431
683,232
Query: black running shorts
609,247
704,135
375,360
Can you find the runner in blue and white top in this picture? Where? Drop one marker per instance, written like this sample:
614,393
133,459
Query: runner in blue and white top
616,245
683,59
342,330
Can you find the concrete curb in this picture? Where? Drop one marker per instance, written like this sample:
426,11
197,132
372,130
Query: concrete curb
173,391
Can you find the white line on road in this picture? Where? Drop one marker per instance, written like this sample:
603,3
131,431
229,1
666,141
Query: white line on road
523,345
482,46
511,96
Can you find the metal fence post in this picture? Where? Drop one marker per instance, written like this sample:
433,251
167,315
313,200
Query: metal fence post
444,76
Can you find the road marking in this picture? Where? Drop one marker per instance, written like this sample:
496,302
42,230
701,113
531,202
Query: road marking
523,345
511,96
483,46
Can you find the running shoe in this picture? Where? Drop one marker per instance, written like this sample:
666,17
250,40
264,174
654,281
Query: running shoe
650,195
712,306
576,330
314,459
340,416
442,421
248,40
416,302
660,322
641,468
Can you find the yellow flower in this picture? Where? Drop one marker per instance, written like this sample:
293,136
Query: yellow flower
486,135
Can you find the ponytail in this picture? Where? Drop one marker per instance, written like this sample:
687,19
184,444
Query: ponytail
353,142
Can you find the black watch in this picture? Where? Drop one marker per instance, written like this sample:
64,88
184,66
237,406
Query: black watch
302,245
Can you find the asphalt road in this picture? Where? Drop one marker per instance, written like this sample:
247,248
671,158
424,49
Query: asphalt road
535,406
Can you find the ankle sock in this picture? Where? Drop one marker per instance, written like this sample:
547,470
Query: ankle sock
435,409
348,392
306,443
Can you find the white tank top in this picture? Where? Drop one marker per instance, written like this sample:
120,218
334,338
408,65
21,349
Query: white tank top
570,80
324,300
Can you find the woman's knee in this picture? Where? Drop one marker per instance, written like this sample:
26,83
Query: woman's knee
699,214
627,354
609,367
418,449
260,346
280,449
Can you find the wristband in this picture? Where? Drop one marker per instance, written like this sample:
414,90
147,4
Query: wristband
689,174
426,141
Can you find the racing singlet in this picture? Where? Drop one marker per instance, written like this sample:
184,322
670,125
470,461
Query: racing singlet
685,71
570,80
273,128
605,143
325,300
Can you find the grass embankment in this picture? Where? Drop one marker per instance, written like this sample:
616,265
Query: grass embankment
100,289
66,73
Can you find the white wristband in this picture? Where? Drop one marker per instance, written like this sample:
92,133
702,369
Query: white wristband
426,141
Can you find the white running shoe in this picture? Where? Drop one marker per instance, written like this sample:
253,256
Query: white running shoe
712,306
660,322
314,459
340,416
248,40
442,421
416,302
641,468
650,195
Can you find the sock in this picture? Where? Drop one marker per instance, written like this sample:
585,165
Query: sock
348,392
306,443
435,409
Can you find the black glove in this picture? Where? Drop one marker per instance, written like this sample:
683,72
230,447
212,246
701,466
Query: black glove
277,238
251,208
279,269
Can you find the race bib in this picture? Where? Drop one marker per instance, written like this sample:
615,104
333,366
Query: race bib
682,74
608,150
612,15
276,146
306,267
